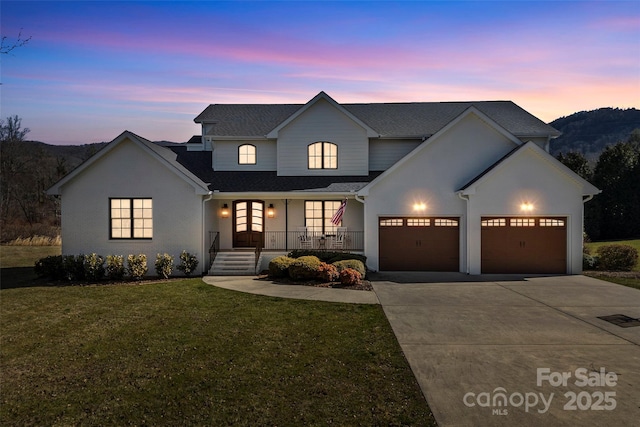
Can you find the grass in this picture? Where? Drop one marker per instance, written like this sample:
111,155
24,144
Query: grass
182,352
17,263
626,279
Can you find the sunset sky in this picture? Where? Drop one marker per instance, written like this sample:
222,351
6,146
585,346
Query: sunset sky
93,69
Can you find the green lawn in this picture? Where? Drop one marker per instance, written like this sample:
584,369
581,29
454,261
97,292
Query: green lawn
185,353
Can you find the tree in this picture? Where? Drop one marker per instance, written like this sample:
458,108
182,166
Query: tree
617,174
12,161
578,163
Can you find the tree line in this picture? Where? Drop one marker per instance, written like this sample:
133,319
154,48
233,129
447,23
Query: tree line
614,213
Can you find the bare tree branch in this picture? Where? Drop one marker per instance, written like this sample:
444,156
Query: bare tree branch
6,46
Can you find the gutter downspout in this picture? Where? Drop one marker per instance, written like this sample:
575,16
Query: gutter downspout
466,226
204,249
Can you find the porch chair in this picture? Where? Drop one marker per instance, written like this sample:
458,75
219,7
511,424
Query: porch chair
305,240
338,242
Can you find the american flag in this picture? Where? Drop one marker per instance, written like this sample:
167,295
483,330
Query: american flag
337,217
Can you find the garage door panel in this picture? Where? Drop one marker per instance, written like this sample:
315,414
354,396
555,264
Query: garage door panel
523,245
421,246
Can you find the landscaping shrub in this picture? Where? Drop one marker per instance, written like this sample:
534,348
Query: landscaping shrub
50,267
327,272
351,263
164,265
93,267
329,257
137,266
617,257
589,262
304,268
115,267
279,266
73,267
188,263
350,277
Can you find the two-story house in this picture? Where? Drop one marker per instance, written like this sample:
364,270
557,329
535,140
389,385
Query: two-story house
453,186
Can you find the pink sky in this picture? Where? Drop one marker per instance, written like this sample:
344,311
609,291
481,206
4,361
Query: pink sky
93,69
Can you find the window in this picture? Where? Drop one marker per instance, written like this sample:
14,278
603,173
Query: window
494,222
131,218
551,222
318,214
441,222
522,222
418,222
323,155
247,154
391,222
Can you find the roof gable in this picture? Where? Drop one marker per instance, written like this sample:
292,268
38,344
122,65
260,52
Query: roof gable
487,175
322,96
433,139
164,156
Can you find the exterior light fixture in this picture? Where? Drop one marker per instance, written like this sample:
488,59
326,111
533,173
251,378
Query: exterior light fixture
224,212
419,206
271,212
526,207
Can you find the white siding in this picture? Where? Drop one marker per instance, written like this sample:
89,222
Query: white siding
323,122
432,175
225,156
528,178
130,172
383,153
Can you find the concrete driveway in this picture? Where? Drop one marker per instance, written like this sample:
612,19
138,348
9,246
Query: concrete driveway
509,350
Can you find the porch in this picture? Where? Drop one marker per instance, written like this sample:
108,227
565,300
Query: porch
286,241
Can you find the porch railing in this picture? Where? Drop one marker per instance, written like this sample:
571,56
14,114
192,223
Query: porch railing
290,240
214,238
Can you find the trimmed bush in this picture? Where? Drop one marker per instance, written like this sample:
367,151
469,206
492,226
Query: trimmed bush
50,267
304,268
73,267
115,267
329,257
617,257
351,263
93,267
279,266
164,265
327,272
137,266
350,277
589,262
188,263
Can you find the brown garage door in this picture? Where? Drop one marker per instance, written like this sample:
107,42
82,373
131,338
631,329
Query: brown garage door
419,244
524,245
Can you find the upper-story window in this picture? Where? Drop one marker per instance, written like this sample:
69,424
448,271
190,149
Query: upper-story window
247,154
323,155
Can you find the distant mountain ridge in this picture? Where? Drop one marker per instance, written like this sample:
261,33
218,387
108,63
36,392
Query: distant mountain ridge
590,132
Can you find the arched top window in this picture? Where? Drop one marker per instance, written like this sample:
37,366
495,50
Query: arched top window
323,155
247,154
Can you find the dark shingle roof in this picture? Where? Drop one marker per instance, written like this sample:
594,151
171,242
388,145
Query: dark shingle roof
199,163
416,119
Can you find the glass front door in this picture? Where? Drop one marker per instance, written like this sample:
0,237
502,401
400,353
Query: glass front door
248,223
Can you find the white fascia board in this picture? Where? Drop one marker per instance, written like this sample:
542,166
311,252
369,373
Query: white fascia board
238,138
282,195
322,95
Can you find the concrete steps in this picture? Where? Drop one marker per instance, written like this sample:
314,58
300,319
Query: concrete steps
234,263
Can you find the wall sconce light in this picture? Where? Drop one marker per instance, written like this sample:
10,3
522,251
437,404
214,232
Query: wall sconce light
419,206
271,212
526,207
224,212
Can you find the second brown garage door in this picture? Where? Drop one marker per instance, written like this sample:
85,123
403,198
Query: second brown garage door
419,244
524,245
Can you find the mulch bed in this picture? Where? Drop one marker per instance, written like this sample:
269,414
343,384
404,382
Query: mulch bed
623,274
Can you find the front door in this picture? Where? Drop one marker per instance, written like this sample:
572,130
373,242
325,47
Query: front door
248,223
